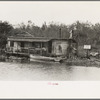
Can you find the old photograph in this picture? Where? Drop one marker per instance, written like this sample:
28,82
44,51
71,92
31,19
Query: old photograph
49,41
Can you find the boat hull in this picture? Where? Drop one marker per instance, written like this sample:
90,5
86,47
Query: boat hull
43,58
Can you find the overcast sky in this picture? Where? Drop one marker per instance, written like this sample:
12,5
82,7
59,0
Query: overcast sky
66,12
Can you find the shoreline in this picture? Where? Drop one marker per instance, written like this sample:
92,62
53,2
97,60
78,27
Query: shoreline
70,62
83,62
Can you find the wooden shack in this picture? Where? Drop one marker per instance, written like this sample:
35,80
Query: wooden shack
26,45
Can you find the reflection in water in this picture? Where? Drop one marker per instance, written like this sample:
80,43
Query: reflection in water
47,71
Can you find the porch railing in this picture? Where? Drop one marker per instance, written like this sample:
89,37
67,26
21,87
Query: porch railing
29,50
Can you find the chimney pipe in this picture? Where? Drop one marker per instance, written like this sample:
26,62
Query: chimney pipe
60,33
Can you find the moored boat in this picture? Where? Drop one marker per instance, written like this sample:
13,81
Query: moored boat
44,58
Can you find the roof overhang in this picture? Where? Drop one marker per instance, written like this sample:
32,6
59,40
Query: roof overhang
27,39
35,39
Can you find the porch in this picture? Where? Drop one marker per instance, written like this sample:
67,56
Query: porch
27,51
23,45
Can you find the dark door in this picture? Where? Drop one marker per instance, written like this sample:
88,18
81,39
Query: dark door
22,44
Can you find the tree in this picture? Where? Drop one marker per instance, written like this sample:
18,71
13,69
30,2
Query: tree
5,29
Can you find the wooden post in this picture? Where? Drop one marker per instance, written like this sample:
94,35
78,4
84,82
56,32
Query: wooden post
28,51
47,48
60,34
41,48
17,48
87,53
87,48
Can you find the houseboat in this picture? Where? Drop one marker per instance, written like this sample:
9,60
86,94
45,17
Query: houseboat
39,48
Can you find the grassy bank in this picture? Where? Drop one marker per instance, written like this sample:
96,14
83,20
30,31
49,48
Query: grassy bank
83,62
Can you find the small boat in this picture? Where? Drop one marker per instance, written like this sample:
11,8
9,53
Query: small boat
44,58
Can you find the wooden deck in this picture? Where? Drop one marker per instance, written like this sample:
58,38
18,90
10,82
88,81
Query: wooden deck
17,54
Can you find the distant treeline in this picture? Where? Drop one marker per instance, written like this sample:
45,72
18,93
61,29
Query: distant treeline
83,33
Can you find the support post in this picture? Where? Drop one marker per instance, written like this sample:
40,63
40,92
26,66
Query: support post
87,53
28,51
41,49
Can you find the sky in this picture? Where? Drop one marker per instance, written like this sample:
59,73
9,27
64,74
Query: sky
66,12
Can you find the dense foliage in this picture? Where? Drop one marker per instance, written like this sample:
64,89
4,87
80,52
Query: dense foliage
5,31
83,33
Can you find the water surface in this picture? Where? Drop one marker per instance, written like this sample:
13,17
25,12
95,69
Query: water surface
46,71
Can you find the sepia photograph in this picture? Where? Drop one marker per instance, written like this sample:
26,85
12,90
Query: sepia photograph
49,49
49,41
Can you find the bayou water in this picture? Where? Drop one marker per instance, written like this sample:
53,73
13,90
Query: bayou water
47,71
